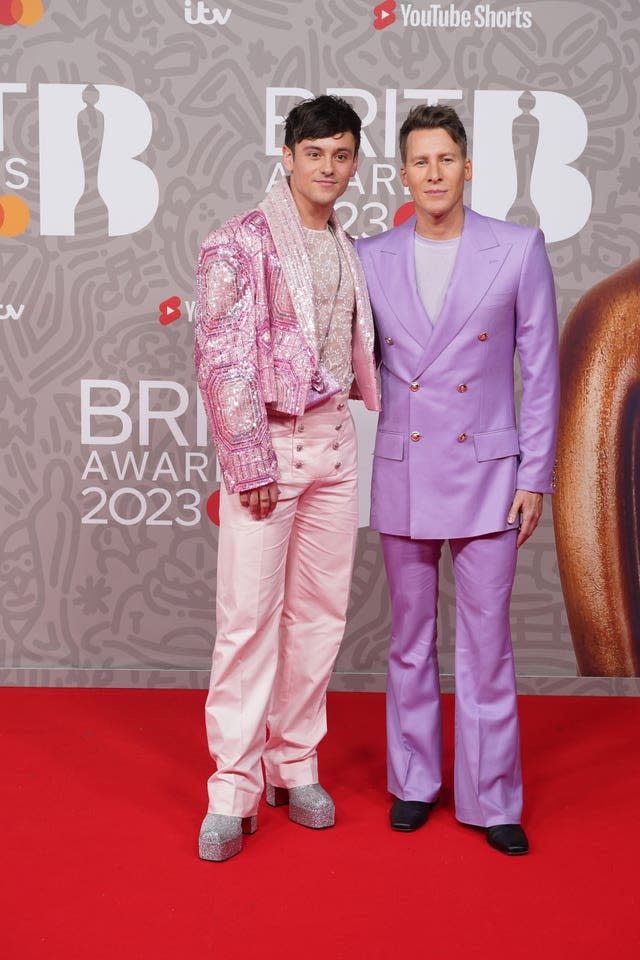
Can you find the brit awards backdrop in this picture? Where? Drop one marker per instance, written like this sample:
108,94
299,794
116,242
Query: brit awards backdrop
127,132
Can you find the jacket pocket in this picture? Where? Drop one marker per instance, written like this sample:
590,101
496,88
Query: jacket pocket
496,444
389,445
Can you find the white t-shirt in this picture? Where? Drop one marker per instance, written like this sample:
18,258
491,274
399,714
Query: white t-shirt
434,263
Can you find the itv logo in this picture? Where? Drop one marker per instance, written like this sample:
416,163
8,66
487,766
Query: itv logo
204,16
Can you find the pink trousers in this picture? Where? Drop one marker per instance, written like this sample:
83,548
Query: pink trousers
282,594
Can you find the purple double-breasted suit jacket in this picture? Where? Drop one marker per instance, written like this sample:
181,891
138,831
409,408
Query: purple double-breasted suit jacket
449,450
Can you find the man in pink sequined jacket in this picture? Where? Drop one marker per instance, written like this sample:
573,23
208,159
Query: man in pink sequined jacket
284,337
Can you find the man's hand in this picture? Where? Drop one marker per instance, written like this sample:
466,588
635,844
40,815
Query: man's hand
261,501
529,506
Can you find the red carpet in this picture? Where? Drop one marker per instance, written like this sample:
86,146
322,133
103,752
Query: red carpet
103,792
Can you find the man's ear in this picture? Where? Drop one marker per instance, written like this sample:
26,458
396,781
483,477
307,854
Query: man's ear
287,159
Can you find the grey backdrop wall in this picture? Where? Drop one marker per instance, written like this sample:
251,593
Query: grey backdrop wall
127,131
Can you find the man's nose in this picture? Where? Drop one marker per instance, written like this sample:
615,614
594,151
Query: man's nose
327,165
433,172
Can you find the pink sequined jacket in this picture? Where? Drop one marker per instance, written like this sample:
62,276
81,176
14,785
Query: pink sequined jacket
255,343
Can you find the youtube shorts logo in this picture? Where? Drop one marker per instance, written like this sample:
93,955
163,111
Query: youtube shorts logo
170,310
384,14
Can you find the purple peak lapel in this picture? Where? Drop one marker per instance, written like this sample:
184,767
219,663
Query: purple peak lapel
478,262
397,279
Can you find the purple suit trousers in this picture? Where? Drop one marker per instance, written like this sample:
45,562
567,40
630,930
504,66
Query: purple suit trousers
487,778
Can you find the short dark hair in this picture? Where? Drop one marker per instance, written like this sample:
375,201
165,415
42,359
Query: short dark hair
423,117
323,116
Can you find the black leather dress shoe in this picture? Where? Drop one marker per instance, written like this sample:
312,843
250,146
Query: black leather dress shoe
508,838
408,815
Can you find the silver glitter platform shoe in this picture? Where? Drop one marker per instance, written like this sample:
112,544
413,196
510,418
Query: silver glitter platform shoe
221,836
309,805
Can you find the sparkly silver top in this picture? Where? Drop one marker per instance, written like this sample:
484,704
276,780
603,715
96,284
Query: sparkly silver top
333,304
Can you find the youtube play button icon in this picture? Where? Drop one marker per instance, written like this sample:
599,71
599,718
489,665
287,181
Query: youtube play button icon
170,310
384,14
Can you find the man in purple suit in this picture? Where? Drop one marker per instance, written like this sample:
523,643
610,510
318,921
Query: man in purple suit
453,295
